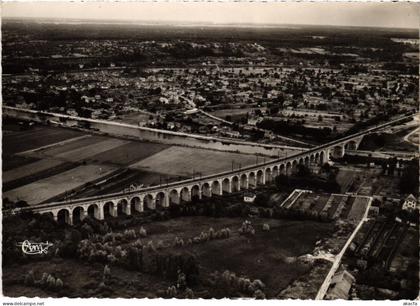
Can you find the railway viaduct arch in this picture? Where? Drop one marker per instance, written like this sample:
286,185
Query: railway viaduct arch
176,193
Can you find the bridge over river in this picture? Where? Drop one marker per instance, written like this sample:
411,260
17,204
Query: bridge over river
178,192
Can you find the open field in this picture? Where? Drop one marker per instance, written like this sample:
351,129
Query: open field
184,161
14,161
270,256
50,156
234,113
333,206
124,180
85,151
80,277
394,140
38,136
66,153
44,189
128,153
134,118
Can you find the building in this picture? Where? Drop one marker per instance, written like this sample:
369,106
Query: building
340,286
249,197
410,203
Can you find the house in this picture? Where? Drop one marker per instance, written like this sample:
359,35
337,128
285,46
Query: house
410,203
249,197
191,111
373,211
340,286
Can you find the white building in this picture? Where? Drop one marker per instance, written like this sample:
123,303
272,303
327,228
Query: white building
249,197
410,203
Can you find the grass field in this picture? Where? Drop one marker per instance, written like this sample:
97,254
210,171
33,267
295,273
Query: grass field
15,141
358,209
41,162
14,161
44,189
128,153
125,180
183,161
66,153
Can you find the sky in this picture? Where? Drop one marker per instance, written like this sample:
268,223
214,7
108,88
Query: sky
388,14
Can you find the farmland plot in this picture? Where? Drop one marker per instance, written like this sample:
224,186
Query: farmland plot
19,141
183,161
44,189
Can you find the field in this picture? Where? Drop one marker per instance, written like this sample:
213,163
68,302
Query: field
16,140
234,113
270,256
134,118
184,161
44,189
42,163
332,206
401,138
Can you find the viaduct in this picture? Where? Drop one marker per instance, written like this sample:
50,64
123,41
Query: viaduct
175,193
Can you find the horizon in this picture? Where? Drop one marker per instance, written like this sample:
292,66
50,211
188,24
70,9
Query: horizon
388,15
70,20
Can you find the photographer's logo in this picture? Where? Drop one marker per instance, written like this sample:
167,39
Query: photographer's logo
33,248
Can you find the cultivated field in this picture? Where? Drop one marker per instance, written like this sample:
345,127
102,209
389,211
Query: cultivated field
47,188
15,140
331,206
184,161
44,162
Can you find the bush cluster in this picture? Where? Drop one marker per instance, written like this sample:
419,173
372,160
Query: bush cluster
298,214
130,256
233,284
46,282
247,228
172,265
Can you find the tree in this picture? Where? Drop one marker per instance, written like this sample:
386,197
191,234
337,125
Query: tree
410,178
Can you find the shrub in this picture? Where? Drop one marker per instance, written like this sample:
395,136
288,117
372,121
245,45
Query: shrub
231,284
130,234
211,233
160,245
171,292
259,295
29,278
181,282
171,265
58,283
150,245
142,232
137,244
50,282
108,237
266,227
111,258
246,228
189,294
135,258
179,242
107,272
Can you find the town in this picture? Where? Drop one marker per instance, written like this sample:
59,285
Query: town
134,154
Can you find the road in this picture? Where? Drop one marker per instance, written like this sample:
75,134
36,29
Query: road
384,154
327,281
